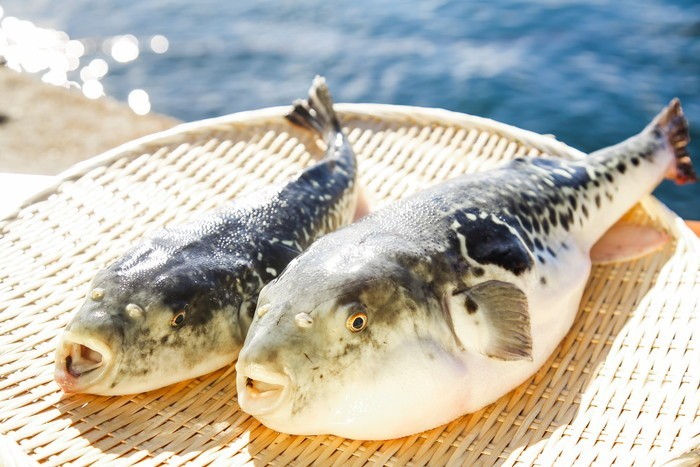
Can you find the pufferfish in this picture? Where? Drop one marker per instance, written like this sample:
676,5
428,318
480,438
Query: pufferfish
178,304
444,301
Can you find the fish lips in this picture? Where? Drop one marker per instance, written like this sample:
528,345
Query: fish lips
261,391
81,362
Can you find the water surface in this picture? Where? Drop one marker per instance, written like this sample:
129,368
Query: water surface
590,72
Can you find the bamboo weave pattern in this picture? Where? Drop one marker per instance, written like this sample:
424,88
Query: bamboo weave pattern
623,387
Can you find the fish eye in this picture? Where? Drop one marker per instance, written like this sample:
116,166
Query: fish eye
357,321
178,319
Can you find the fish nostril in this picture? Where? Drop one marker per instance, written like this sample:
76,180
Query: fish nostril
304,320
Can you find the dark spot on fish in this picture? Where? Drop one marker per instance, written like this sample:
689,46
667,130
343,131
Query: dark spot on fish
471,305
597,200
164,340
609,196
3,119
538,244
553,216
596,183
551,252
635,161
564,220
545,226
543,281
647,153
535,224
555,198
352,348
621,167
478,272
541,259
462,267
489,242
609,177
527,225
572,201
584,209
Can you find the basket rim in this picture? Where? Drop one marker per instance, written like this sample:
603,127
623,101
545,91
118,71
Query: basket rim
416,114
399,121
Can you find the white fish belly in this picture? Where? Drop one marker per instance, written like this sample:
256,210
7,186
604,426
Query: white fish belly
553,307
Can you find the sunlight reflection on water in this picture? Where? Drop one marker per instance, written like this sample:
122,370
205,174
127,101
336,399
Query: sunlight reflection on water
591,73
26,47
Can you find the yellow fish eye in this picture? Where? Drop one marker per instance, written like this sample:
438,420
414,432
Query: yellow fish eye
357,321
178,319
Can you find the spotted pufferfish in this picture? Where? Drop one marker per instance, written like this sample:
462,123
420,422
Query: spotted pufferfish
442,302
178,304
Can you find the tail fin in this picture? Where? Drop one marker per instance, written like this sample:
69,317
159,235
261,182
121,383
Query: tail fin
674,127
316,113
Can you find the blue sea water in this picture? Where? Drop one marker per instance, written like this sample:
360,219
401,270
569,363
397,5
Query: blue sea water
591,72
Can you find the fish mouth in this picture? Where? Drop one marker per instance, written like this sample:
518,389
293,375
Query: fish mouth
261,391
81,362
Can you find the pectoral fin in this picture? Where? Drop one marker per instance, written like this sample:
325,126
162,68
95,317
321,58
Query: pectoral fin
493,319
626,242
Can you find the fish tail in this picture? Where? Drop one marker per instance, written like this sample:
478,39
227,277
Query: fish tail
316,113
673,126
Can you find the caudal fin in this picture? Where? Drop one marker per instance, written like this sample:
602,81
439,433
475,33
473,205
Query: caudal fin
316,113
673,125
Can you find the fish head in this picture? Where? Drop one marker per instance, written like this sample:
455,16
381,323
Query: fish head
345,352
138,332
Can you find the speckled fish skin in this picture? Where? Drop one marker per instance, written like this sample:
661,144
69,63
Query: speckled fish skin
128,338
440,303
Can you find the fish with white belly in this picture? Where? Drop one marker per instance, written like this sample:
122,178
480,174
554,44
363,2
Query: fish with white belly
442,302
178,304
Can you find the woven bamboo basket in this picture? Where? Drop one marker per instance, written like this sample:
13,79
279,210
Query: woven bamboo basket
622,388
